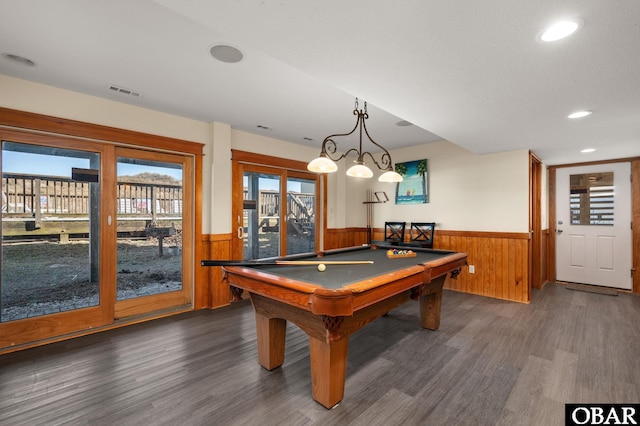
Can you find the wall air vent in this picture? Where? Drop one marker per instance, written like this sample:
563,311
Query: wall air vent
125,91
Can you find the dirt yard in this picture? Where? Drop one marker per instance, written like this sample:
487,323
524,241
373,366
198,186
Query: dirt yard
46,272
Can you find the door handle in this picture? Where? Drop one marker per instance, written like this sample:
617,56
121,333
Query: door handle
240,232
558,231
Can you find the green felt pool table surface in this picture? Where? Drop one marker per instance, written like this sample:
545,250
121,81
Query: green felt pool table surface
337,276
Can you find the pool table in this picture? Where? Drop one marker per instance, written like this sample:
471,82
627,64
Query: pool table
331,305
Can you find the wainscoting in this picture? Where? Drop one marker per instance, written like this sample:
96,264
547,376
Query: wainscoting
345,237
213,291
501,261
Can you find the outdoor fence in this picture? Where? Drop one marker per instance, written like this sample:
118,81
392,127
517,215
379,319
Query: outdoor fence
43,205
37,204
300,210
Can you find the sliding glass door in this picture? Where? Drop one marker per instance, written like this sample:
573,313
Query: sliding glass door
152,245
91,232
260,228
276,214
301,214
50,230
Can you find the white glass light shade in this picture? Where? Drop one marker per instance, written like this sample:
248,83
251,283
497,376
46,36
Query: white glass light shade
360,170
390,176
322,165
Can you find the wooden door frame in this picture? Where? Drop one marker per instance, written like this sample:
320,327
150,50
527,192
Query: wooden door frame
635,216
237,245
155,302
36,331
271,165
24,330
535,222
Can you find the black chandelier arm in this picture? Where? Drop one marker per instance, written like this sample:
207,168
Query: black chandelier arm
329,147
386,157
330,137
385,161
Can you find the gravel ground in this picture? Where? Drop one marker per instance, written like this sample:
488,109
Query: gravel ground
47,277
51,307
40,278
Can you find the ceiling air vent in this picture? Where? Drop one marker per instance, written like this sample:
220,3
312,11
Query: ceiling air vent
125,91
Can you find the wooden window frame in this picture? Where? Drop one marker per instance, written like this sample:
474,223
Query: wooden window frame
27,126
286,168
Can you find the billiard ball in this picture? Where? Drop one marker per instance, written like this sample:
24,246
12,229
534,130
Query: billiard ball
322,267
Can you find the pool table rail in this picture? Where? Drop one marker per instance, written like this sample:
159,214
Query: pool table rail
346,300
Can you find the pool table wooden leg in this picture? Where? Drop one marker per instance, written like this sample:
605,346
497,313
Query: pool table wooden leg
271,333
430,304
328,369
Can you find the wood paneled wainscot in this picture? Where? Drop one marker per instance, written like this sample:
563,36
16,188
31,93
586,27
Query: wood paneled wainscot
500,259
216,291
345,237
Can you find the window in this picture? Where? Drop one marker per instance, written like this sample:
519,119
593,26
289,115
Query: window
276,207
66,213
592,199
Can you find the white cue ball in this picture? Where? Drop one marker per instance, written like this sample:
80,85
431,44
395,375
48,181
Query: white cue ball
322,267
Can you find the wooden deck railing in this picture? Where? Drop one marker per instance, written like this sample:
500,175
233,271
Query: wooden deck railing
29,201
52,195
43,205
300,209
27,194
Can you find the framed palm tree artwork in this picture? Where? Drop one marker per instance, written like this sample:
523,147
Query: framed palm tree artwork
414,188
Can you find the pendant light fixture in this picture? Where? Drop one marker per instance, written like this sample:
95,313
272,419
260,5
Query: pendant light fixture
325,163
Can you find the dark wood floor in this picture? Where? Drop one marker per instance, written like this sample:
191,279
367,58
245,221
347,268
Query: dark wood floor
491,362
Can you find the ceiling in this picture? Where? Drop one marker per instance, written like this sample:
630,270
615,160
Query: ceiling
472,73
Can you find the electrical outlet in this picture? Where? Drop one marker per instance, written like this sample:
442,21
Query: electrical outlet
472,269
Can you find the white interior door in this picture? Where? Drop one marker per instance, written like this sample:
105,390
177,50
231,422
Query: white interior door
593,228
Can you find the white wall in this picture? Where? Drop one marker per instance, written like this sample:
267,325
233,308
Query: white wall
47,100
216,168
466,191
345,198
41,99
259,144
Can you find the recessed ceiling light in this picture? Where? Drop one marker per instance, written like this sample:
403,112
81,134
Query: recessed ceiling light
260,126
560,30
226,53
19,59
404,123
579,114
587,150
